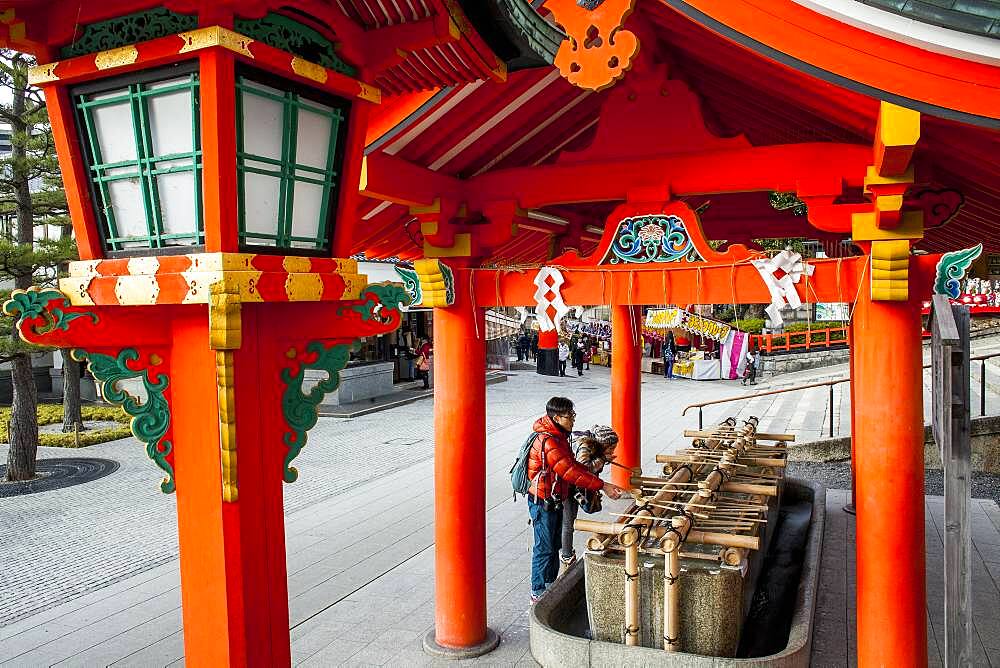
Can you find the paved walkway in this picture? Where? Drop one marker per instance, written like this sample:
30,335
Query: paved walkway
90,577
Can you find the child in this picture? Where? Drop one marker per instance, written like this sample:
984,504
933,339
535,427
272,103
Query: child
593,448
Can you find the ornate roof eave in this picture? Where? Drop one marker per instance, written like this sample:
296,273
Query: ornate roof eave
515,31
880,67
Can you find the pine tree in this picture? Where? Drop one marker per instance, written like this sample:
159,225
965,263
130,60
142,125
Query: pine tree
25,261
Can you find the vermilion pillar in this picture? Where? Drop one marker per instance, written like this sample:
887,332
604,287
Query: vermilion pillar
889,472
850,350
460,483
626,370
232,554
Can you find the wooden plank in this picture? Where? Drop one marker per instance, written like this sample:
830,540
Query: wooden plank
951,428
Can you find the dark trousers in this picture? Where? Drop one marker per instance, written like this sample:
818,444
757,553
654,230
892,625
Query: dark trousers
562,367
426,377
570,510
547,528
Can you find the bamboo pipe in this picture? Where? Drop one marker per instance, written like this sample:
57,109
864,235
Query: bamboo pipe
598,542
694,536
733,556
723,539
692,459
671,601
630,540
746,488
695,433
706,488
604,536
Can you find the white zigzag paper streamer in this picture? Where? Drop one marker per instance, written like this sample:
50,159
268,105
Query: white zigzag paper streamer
782,290
544,301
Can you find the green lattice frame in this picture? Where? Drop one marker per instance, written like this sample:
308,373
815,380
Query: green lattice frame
146,165
151,419
287,170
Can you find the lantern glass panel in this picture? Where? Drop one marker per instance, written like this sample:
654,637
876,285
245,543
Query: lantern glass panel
288,152
170,121
306,215
263,115
312,139
114,131
144,149
177,202
127,210
262,195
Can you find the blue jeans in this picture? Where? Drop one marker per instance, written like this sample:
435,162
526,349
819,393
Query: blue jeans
668,367
547,527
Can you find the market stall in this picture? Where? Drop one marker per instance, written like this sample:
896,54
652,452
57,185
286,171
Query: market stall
728,361
600,331
697,367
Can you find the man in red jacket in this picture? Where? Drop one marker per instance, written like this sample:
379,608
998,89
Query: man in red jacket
553,470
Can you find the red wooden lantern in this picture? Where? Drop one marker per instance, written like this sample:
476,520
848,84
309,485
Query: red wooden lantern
211,172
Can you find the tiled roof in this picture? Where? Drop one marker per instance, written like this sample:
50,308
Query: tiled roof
979,17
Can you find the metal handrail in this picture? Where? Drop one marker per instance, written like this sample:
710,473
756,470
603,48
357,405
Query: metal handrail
982,378
829,383
837,381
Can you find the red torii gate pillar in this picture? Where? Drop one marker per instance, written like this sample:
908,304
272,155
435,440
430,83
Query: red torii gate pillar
626,379
460,482
888,435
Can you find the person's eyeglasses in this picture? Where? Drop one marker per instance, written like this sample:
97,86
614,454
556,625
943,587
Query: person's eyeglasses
571,415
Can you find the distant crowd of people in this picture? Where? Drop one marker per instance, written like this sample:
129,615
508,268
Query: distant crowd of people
526,346
579,350
576,350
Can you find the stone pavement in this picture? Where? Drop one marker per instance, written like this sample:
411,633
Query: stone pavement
89,573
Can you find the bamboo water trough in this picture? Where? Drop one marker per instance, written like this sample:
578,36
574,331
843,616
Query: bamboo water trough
713,493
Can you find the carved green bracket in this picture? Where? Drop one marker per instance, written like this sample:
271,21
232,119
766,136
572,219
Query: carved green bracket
130,29
379,298
951,269
286,34
301,409
411,285
150,419
33,303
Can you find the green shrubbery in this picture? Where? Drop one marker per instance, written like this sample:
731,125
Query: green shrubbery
53,414
752,325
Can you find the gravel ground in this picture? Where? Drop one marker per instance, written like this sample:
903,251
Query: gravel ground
837,475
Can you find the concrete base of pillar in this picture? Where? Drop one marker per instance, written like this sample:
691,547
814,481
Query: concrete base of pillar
548,361
432,647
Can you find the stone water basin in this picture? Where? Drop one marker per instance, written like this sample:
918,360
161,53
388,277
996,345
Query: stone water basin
760,617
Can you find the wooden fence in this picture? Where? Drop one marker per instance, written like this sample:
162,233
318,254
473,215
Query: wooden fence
805,340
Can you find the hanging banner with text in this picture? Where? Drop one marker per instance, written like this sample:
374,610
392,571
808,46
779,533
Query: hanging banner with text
671,318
